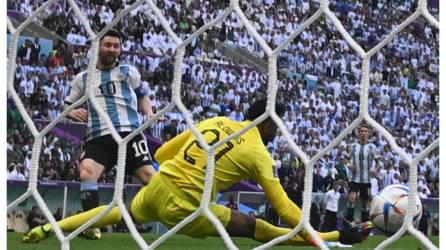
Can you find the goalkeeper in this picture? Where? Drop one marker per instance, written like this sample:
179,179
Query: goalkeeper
176,191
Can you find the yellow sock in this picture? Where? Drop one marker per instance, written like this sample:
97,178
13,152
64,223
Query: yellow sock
73,222
326,236
266,232
330,236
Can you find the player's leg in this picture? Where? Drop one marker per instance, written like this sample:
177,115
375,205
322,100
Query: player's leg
365,197
138,210
329,221
90,171
161,201
138,159
242,225
73,222
99,155
145,173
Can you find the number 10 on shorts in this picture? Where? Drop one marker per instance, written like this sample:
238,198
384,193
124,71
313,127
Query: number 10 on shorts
140,148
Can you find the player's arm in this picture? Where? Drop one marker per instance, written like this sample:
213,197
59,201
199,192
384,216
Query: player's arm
285,208
352,166
324,205
169,149
265,175
76,92
288,211
143,99
79,114
376,158
145,105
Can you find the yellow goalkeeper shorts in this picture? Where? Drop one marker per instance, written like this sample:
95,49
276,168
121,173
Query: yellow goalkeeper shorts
162,201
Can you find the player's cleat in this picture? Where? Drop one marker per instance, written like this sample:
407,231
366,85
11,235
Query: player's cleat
356,234
37,234
93,233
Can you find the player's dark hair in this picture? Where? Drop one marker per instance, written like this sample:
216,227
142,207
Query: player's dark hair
113,33
365,125
258,108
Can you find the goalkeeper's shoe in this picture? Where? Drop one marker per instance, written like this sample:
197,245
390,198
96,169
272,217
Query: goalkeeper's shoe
355,234
92,233
37,234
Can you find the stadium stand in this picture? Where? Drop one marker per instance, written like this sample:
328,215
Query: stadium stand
43,82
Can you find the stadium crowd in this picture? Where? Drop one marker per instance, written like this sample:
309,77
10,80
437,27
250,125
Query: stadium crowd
403,81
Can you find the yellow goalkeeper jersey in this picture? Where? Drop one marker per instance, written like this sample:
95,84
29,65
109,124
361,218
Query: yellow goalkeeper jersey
184,162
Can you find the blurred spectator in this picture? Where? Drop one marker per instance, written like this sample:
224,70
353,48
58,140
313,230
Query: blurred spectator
294,193
35,217
315,213
35,52
58,214
271,214
331,204
318,184
25,51
425,221
231,204
15,172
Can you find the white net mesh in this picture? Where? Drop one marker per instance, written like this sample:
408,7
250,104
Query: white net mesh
176,101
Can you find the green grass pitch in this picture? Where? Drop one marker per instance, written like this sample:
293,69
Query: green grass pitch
125,241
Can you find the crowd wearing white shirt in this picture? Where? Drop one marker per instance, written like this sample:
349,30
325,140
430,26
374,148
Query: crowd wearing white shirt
403,78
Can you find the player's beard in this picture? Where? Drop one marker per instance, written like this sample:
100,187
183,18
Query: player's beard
108,61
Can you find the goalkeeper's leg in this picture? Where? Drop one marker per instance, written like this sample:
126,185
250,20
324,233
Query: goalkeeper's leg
73,222
90,171
238,224
247,226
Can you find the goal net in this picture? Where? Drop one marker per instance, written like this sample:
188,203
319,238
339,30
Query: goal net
181,43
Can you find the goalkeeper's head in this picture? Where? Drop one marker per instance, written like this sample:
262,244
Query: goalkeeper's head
267,128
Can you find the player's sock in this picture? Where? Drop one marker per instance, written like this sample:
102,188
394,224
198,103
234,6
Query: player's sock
90,200
89,195
265,232
73,222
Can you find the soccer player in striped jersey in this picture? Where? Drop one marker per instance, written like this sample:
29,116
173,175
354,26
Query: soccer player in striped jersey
363,159
176,190
119,93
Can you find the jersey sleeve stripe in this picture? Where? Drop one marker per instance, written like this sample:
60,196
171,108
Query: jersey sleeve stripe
132,114
109,98
95,123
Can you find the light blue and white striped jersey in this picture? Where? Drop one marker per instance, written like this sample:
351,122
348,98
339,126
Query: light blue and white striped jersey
115,93
363,158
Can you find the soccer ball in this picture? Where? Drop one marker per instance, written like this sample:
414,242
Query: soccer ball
389,207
